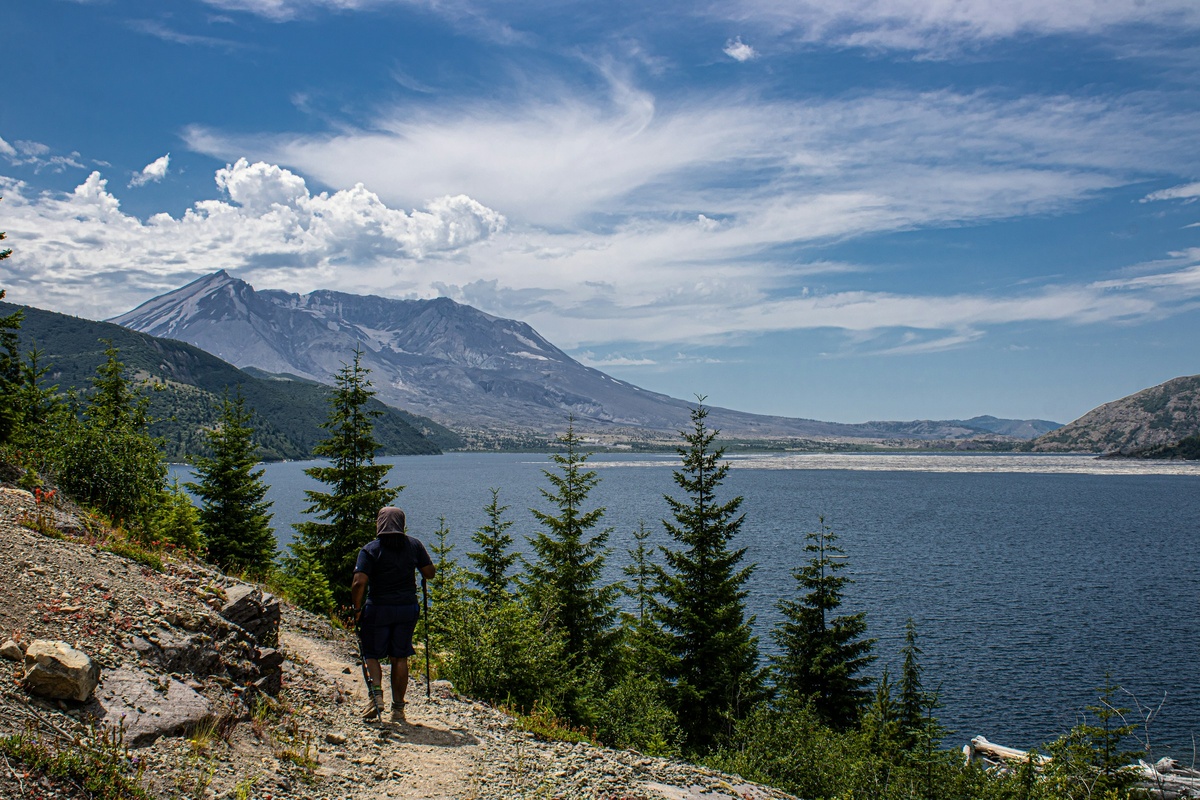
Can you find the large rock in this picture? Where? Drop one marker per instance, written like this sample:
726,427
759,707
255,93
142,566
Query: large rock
257,613
59,671
148,706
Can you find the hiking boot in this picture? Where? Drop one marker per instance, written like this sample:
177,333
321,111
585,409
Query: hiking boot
374,707
398,714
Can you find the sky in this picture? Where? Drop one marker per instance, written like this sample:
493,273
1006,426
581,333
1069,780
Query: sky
848,211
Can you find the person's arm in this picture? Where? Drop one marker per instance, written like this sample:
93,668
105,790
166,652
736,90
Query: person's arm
358,592
429,570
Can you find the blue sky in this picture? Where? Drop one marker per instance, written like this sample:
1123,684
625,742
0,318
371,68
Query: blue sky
871,209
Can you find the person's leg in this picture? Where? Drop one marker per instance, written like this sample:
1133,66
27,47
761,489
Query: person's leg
399,680
374,706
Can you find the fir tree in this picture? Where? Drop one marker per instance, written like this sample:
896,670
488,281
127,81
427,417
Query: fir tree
303,580
178,520
640,572
823,654
564,580
713,656
495,557
912,691
1089,761
357,485
9,362
234,521
37,405
108,460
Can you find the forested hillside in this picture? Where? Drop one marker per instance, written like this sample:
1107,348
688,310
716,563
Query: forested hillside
187,384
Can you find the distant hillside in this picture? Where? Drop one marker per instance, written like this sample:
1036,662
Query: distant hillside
496,379
188,385
1160,416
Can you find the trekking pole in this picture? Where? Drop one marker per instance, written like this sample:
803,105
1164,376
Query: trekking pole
425,597
363,658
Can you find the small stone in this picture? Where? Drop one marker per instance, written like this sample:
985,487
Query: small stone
59,671
334,737
12,651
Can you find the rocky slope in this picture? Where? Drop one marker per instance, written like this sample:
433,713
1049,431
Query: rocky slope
188,683
467,369
1159,416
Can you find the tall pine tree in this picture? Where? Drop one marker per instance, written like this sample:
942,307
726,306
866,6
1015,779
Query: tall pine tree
713,655
234,522
9,362
823,654
357,485
495,556
563,582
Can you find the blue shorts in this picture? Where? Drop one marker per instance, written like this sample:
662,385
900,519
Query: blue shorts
388,630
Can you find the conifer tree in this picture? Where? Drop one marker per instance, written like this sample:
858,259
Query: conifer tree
303,580
36,404
713,655
495,556
108,460
9,362
912,691
823,654
564,579
640,572
234,521
357,485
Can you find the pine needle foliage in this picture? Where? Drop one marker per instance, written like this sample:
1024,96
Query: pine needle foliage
357,485
563,580
713,657
9,361
234,521
495,556
823,654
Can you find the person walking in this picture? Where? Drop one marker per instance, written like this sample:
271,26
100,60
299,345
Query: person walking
384,594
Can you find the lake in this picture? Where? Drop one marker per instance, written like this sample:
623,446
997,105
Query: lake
1029,577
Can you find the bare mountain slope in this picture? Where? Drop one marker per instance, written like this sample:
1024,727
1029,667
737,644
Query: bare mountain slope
455,364
1160,415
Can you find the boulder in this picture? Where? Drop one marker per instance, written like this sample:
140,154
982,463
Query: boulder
59,671
148,706
12,651
257,613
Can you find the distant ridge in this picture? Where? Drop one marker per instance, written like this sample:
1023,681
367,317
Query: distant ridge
467,369
1160,416
189,383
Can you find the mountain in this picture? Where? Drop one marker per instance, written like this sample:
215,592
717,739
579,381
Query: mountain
494,378
188,384
1160,416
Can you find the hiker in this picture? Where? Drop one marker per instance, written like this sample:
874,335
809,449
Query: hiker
385,574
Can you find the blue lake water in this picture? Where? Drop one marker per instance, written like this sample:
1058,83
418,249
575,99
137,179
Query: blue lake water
1029,577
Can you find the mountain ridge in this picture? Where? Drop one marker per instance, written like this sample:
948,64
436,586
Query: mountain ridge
466,368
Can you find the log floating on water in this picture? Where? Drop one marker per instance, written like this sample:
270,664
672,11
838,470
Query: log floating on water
1166,779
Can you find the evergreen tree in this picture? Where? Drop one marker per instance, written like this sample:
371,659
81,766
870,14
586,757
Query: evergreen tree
713,662
9,362
303,581
357,485
234,521
823,655
640,572
178,520
1089,761
36,405
495,556
912,692
108,460
564,580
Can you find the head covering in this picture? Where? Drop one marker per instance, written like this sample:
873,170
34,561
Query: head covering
389,520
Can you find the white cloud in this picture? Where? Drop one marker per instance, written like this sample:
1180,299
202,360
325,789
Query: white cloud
37,155
947,25
604,362
1187,191
7,150
739,50
270,227
155,171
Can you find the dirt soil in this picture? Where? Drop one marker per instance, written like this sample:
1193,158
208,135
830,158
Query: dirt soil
310,741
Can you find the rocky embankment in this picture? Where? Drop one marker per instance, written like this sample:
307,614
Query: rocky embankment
221,691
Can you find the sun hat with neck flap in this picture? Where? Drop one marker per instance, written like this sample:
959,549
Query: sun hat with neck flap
389,520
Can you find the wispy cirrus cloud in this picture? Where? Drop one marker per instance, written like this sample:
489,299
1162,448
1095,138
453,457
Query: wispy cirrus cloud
1186,191
931,25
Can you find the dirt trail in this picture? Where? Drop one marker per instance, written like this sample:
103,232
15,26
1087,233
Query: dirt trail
432,756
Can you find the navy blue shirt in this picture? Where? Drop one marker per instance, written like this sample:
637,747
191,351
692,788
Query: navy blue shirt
392,568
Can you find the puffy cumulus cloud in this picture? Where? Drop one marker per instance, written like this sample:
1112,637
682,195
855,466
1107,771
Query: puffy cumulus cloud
939,25
739,50
1187,191
153,172
96,260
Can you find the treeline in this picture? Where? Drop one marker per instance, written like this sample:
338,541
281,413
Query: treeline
680,674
